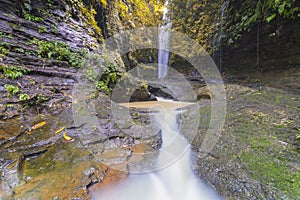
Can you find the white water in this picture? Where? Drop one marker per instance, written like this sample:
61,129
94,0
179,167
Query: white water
217,54
173,182
163,43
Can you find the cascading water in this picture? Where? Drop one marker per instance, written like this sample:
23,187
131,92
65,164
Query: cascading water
163,43
217,54
174,182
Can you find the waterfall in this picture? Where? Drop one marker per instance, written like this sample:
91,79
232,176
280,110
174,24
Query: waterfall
163,43
176,181
217,47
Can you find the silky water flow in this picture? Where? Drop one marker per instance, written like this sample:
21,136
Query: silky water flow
175,181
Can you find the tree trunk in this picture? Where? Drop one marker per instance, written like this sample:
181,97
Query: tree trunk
257,45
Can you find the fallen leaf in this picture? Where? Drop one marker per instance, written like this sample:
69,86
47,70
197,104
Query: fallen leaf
297,137
28,132
68,138
59,130
256,93
38,125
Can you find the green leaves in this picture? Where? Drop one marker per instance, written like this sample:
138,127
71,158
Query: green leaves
11,89
243,17
270,18
13,72
24,97
59,51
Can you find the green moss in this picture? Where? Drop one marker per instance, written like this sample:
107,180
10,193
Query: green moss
263,147
89,15
274,173
198,20
137,13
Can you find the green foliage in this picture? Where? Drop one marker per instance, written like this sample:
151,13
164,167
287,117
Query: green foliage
102,86
4,48
33,18
41,99
59,51
24,97
88,14
14,72
197,19
11,89
54,29
243,15
19,50
136,13
42,29
6,35
28,16
3,51
109,76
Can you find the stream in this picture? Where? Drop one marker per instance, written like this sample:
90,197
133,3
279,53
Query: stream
174,178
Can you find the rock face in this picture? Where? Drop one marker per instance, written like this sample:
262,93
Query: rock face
279,47
42,44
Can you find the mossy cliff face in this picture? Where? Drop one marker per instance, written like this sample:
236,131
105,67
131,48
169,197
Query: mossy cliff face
42,44
198,19
49,39
242,34
131,14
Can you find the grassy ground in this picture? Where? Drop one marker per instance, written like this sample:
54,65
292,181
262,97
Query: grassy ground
257,156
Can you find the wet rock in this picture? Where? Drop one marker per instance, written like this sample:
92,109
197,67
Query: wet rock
5,26
142,95
9,177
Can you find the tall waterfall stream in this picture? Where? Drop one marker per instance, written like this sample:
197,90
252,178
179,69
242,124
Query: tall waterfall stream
175,181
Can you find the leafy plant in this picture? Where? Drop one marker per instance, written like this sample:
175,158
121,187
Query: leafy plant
4,48
11,89
245,15
41,99
33,18
258,12
101,85
109,76
20,50
3,51
42,29
58,50
13,72
24,97
30,17
2,34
